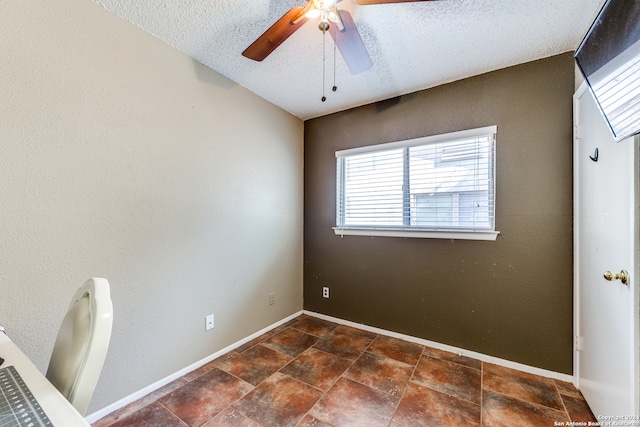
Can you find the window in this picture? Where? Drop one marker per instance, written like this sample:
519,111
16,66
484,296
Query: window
439,186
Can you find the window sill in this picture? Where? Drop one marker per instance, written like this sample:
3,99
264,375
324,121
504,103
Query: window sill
422,234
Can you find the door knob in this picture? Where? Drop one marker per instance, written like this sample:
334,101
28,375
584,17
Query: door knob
623,276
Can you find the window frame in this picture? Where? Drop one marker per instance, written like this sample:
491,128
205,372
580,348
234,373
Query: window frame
408,231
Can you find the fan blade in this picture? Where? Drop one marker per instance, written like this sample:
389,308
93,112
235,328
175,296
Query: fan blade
276,34
350,44
365,2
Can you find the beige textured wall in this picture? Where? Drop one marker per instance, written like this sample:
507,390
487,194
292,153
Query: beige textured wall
123,158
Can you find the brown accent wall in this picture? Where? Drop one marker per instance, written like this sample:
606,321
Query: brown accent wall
511,298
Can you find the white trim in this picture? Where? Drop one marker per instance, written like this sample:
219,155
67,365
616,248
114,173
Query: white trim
451,136
636,280
166,380
459,351
417,233
576,236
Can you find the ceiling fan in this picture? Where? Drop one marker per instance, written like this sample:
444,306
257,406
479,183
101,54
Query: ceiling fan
339,23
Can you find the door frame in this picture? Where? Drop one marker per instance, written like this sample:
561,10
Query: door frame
576,248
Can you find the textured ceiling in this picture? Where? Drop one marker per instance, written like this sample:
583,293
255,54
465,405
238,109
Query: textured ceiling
413,45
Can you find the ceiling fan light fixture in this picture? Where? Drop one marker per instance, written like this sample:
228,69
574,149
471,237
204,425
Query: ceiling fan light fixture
339,23
324,4
313,13
327,11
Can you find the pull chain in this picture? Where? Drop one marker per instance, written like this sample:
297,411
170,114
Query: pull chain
324,64
324,42
334,88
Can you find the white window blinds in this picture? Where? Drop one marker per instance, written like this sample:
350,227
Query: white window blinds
442,182
617,89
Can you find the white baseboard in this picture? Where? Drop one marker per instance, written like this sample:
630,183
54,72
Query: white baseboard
462,352
166,380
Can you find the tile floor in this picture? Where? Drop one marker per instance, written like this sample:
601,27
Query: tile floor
311,372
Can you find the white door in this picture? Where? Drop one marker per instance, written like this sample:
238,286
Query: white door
606,311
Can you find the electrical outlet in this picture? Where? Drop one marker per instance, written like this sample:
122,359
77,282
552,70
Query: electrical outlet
325,292
208,324
272,298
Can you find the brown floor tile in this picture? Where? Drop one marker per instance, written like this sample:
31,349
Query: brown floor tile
153,415
231,418
521,385
309,421
349,403
397,349
149,398
104,422
578,409
292,321
255,364
209,366
279,401
343,345
450,378
246,346
499,410
290,341
421,406
190,376
452,357
204,398
317,368
567,389
381,373
360,333
281,328
314,326
310,372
